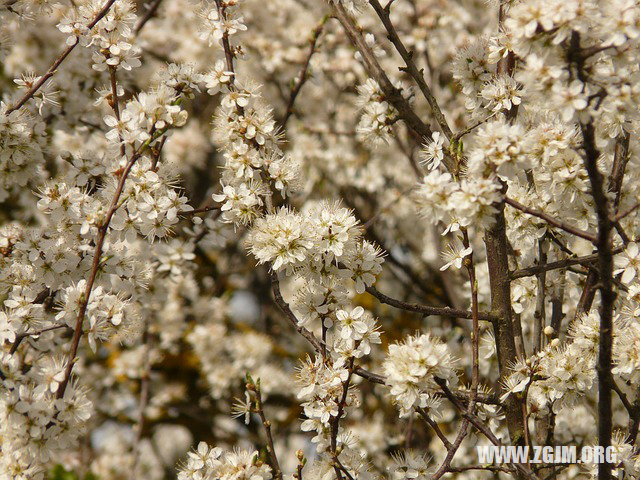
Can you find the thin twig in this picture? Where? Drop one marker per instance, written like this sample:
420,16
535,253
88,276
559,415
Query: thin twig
155,154
199,210
551,220
115,105
303,75
634,425
410,66
102,233
444,467
144,392
462,433
284,306
540,312
468,130
335,421
434,425
392,94
560,264
626,212
620,161
343,469
226,46
153,8
300,466
52,69
428,309
277,472
623,398
21,336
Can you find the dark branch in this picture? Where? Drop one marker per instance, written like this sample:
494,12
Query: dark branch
302,77
427,309
551,220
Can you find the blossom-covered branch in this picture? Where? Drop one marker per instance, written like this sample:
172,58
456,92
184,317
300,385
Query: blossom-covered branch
431,247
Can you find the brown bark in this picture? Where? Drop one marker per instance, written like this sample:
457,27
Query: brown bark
496,245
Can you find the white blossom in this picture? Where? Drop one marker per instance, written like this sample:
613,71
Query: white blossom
412,367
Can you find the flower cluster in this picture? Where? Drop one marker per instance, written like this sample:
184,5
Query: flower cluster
226,356
143,117
112,37
562,374
320,391
410,464
209,463
378,116
356,331
36,421
103,312
322,245
412,368
21,151
216,25
457,204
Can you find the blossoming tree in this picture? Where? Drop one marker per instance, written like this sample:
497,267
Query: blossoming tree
254,240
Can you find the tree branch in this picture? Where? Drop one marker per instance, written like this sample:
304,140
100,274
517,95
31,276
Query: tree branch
427,309
52,69
21,336
153,8
277,471
102,233
284,306
507,330
302,77
375,71
560,264
425,416
451,450
607,293
551,220
410,66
